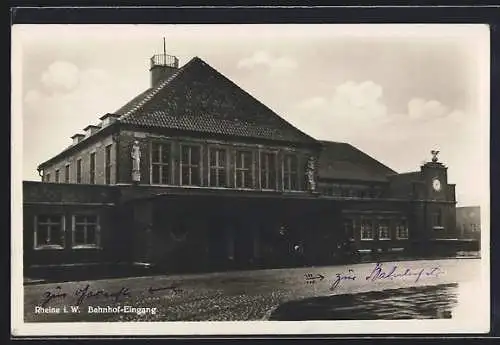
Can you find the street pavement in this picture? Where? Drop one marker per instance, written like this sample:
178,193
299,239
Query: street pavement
232,296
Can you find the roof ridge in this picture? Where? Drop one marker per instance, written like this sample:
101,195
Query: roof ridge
156,90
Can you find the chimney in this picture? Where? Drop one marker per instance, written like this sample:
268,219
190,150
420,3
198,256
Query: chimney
77,138
108,119
162,66
91,129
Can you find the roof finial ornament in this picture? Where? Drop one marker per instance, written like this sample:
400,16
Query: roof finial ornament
434,154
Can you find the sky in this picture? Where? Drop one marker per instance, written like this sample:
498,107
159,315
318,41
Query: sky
394,91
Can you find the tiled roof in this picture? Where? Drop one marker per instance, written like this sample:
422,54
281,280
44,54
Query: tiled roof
343,161
198,98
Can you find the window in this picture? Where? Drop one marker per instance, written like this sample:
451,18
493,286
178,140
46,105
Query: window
383,230
243,169
79,171
66,173
85,231
92,168
290,174
160,163
366,229
107,164
47,178
267,170
349,229
57,176
190,165
402,230
49,232
218,172
437,220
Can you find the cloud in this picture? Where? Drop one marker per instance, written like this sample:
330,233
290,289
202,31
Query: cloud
350,111
426,110
275,64
61,76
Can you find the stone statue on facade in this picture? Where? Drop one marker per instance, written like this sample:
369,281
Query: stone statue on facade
311,174
434,154
136,162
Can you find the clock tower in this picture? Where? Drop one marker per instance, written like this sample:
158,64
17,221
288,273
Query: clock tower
439,199
434,174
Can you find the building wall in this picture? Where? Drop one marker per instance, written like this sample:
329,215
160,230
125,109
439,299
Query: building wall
127,138
84,155
469,222
65,201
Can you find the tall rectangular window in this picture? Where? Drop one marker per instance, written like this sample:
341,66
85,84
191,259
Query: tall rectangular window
290,173
47,178
85,231
160,163
437,220
267,170
92,168
366,229
243,166
49,231
66,173
190,165
218,171
383,230
57,176
79,171
402,230
107,164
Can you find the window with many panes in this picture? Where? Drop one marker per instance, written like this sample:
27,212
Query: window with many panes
218,171
290,172
190,165
268,170
92,168
366,229
85,231
160,163
66,173
349,228
79,171
57,176
402,229
107,164
49,231
243,166
383,230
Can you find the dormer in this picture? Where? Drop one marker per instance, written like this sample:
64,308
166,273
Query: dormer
77,138
91,129
108,119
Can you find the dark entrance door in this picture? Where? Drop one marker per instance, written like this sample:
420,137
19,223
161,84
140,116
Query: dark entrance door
243,244
217,244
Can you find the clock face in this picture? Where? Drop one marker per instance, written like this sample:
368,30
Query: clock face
436,184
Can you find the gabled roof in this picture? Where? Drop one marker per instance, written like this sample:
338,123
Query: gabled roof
198,98
342,161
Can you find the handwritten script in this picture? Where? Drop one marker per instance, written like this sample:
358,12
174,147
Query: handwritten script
86,293
381,272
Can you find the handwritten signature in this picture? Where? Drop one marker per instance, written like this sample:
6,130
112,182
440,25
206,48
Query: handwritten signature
380,272
86,292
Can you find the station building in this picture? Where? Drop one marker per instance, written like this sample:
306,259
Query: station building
196,174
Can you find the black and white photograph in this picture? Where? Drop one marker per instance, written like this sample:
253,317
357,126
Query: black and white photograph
250,179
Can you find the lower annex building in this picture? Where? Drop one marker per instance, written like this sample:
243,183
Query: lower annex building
196,174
